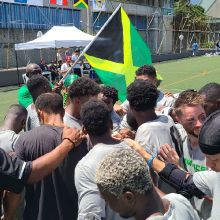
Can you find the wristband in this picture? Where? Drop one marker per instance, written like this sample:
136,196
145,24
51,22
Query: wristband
70,141
150,161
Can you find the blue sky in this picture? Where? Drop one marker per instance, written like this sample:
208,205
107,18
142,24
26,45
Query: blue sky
194,1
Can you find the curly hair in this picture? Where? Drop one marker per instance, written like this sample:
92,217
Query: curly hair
95,117
142,95
132,122
83,87
188,97
123,170
110,92
51,103
146,70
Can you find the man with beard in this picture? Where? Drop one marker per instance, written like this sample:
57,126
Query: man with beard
200,184
190,114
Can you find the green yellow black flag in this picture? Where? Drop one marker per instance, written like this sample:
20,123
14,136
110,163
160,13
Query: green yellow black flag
117,52
80,3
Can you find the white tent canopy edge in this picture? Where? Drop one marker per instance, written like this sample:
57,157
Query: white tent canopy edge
58,37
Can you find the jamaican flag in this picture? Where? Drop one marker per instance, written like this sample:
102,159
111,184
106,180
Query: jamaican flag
117,52
80,3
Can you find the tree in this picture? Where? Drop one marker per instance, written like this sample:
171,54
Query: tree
189,20
188,16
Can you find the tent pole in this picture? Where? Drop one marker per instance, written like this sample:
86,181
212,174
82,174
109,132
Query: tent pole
16,58
55,53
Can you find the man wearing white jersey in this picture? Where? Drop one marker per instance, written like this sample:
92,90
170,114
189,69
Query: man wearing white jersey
124,182
97,123
80,91
154,130
148,72
201,184
191,115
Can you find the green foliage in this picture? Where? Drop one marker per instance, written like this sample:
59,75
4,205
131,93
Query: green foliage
208,44
188,16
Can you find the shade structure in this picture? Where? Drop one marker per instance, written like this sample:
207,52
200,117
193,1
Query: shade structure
58,37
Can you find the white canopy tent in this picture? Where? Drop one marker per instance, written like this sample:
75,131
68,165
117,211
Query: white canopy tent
57,37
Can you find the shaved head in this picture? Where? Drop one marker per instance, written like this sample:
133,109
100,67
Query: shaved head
15,118
33,69
16,110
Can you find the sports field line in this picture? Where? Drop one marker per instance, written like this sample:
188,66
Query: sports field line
191,77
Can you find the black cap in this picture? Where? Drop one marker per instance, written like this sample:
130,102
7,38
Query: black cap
209,137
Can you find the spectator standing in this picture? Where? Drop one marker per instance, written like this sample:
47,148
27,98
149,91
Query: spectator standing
195,48
77,67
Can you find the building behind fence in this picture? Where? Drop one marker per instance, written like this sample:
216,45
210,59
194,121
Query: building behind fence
152,18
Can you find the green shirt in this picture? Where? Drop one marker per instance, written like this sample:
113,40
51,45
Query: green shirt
24,96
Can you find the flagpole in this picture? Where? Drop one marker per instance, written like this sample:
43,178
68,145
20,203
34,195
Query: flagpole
91,42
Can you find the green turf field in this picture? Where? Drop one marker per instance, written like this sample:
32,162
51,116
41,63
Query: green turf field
190,73
8,96
178,75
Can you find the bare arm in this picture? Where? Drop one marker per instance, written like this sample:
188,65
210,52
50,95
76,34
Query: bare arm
170,173
11,202
157,165
119,110
168,154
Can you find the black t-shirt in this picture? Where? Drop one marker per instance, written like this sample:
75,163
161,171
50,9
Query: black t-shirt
54,197
13,172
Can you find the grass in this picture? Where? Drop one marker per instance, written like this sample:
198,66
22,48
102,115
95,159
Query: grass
190,73
8,96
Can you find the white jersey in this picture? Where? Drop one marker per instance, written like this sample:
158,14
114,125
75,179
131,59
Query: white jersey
180,209
152,134
91,205
65,67
72,122
208,182
32,118
8,139
194,161
162,101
